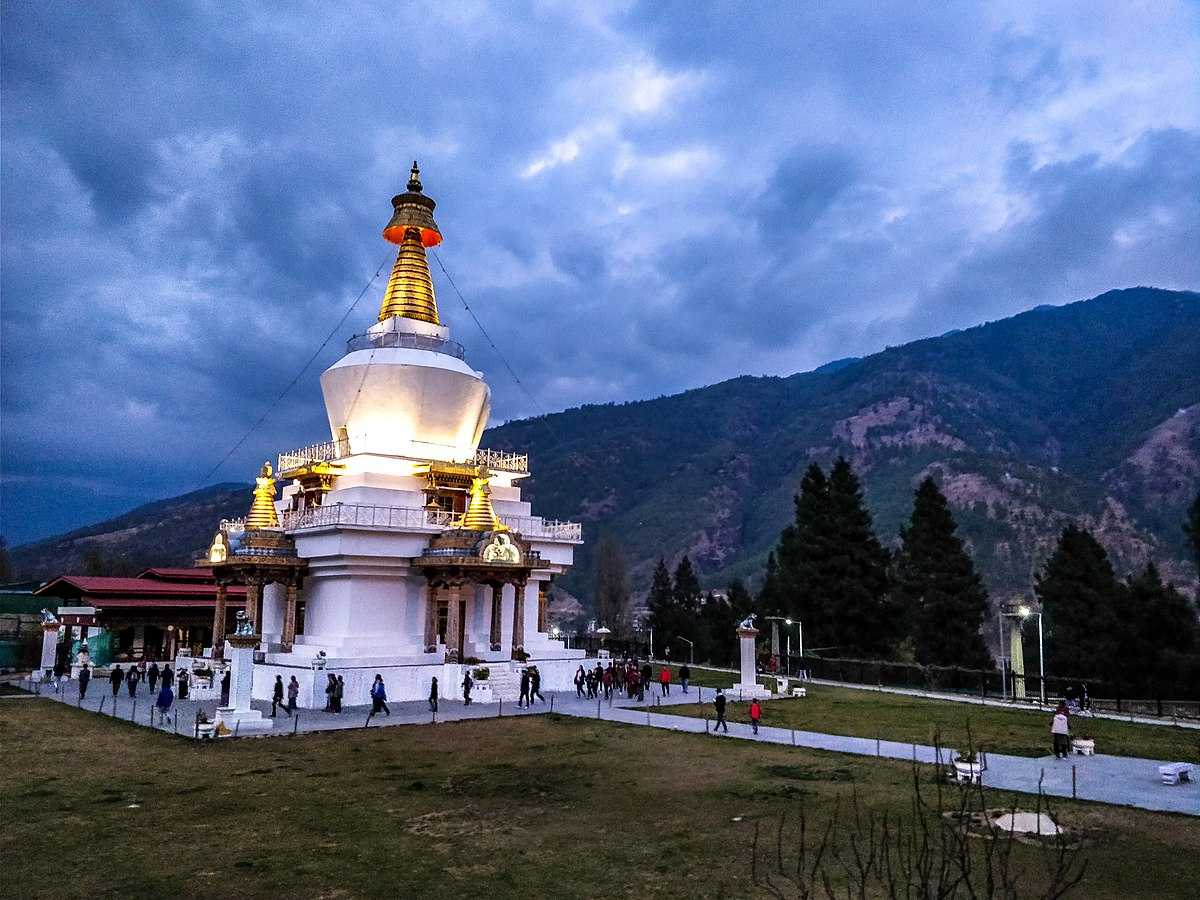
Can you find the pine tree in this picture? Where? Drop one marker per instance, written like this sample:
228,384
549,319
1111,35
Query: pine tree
770,594
1192,528
687,585
666,616
1162,633
1080,597
791,581
939,594
611,582
853,583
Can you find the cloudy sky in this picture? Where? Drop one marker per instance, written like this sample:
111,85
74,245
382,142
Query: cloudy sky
636,199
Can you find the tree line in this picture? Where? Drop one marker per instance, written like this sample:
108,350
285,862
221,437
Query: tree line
925,602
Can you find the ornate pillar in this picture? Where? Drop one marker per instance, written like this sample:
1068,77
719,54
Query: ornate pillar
254,603
518,632
541,611
289,616
431,618
453,648
497,605
218,628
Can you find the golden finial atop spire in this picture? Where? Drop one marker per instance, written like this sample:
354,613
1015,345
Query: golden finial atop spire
262,509
479,515
409,291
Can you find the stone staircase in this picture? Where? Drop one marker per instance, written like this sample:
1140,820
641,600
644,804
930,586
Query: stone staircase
505,680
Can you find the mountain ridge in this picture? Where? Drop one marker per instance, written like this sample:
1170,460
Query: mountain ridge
1086,412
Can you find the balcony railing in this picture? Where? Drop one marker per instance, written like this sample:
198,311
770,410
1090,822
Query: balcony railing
233,526
405,341
315,453
415,517
503,461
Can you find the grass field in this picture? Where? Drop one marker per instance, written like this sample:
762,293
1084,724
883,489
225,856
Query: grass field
897,717
535,807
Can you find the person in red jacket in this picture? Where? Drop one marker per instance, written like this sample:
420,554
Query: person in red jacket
755,714
664,680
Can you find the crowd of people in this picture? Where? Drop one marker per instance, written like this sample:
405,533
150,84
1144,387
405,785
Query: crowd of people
625,676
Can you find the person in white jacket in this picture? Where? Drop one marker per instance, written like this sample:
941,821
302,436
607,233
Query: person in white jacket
1060,731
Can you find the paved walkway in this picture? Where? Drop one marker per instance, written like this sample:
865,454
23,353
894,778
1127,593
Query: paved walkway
1124,781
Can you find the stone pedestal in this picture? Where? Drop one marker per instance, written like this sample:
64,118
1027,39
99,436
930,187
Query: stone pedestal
747,687
238,716
49,650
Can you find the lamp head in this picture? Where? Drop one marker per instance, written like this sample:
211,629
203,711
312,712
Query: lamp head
787,621
1024,611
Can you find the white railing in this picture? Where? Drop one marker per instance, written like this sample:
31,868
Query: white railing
326,452
502,461
357,515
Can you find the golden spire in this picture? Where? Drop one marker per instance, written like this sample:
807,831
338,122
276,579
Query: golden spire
409,290
479,515
262,510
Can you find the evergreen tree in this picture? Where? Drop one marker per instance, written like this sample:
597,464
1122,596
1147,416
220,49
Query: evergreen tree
940,596
852,578
1080,596
770,595
720,617
1162,634
667,617
1192,528
687,585
611,582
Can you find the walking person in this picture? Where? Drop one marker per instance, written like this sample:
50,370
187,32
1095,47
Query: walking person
225,686
152,677
755,714
1060,732
608,682
685,675
131,680
466,687
339,694
59,671
167,675
664,681
293,694
378,698
523,700
579,680
85,675
535,685
719,705
647,674
116,678
184,681
276,695
330,690
433,695
163,704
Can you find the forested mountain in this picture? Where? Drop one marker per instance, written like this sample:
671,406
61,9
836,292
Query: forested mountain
163,533
1088,412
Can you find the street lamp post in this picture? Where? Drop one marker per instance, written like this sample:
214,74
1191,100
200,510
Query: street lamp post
1025,612
691,650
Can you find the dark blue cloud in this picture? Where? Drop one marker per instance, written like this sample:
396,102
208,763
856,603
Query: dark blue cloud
634,202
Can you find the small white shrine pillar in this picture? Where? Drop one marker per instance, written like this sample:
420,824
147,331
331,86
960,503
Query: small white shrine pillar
238,716
748,687
49,650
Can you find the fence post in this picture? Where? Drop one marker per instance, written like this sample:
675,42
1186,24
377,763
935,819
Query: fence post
500,709
793,737
101,708
1073,794
295,722
552,703
133,711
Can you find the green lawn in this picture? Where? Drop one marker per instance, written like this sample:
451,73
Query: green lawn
534,807
897,717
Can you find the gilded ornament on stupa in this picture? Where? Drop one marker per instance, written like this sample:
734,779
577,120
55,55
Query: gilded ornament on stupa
262,510
409,291
479,515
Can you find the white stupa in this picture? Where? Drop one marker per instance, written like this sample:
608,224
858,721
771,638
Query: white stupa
420,553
